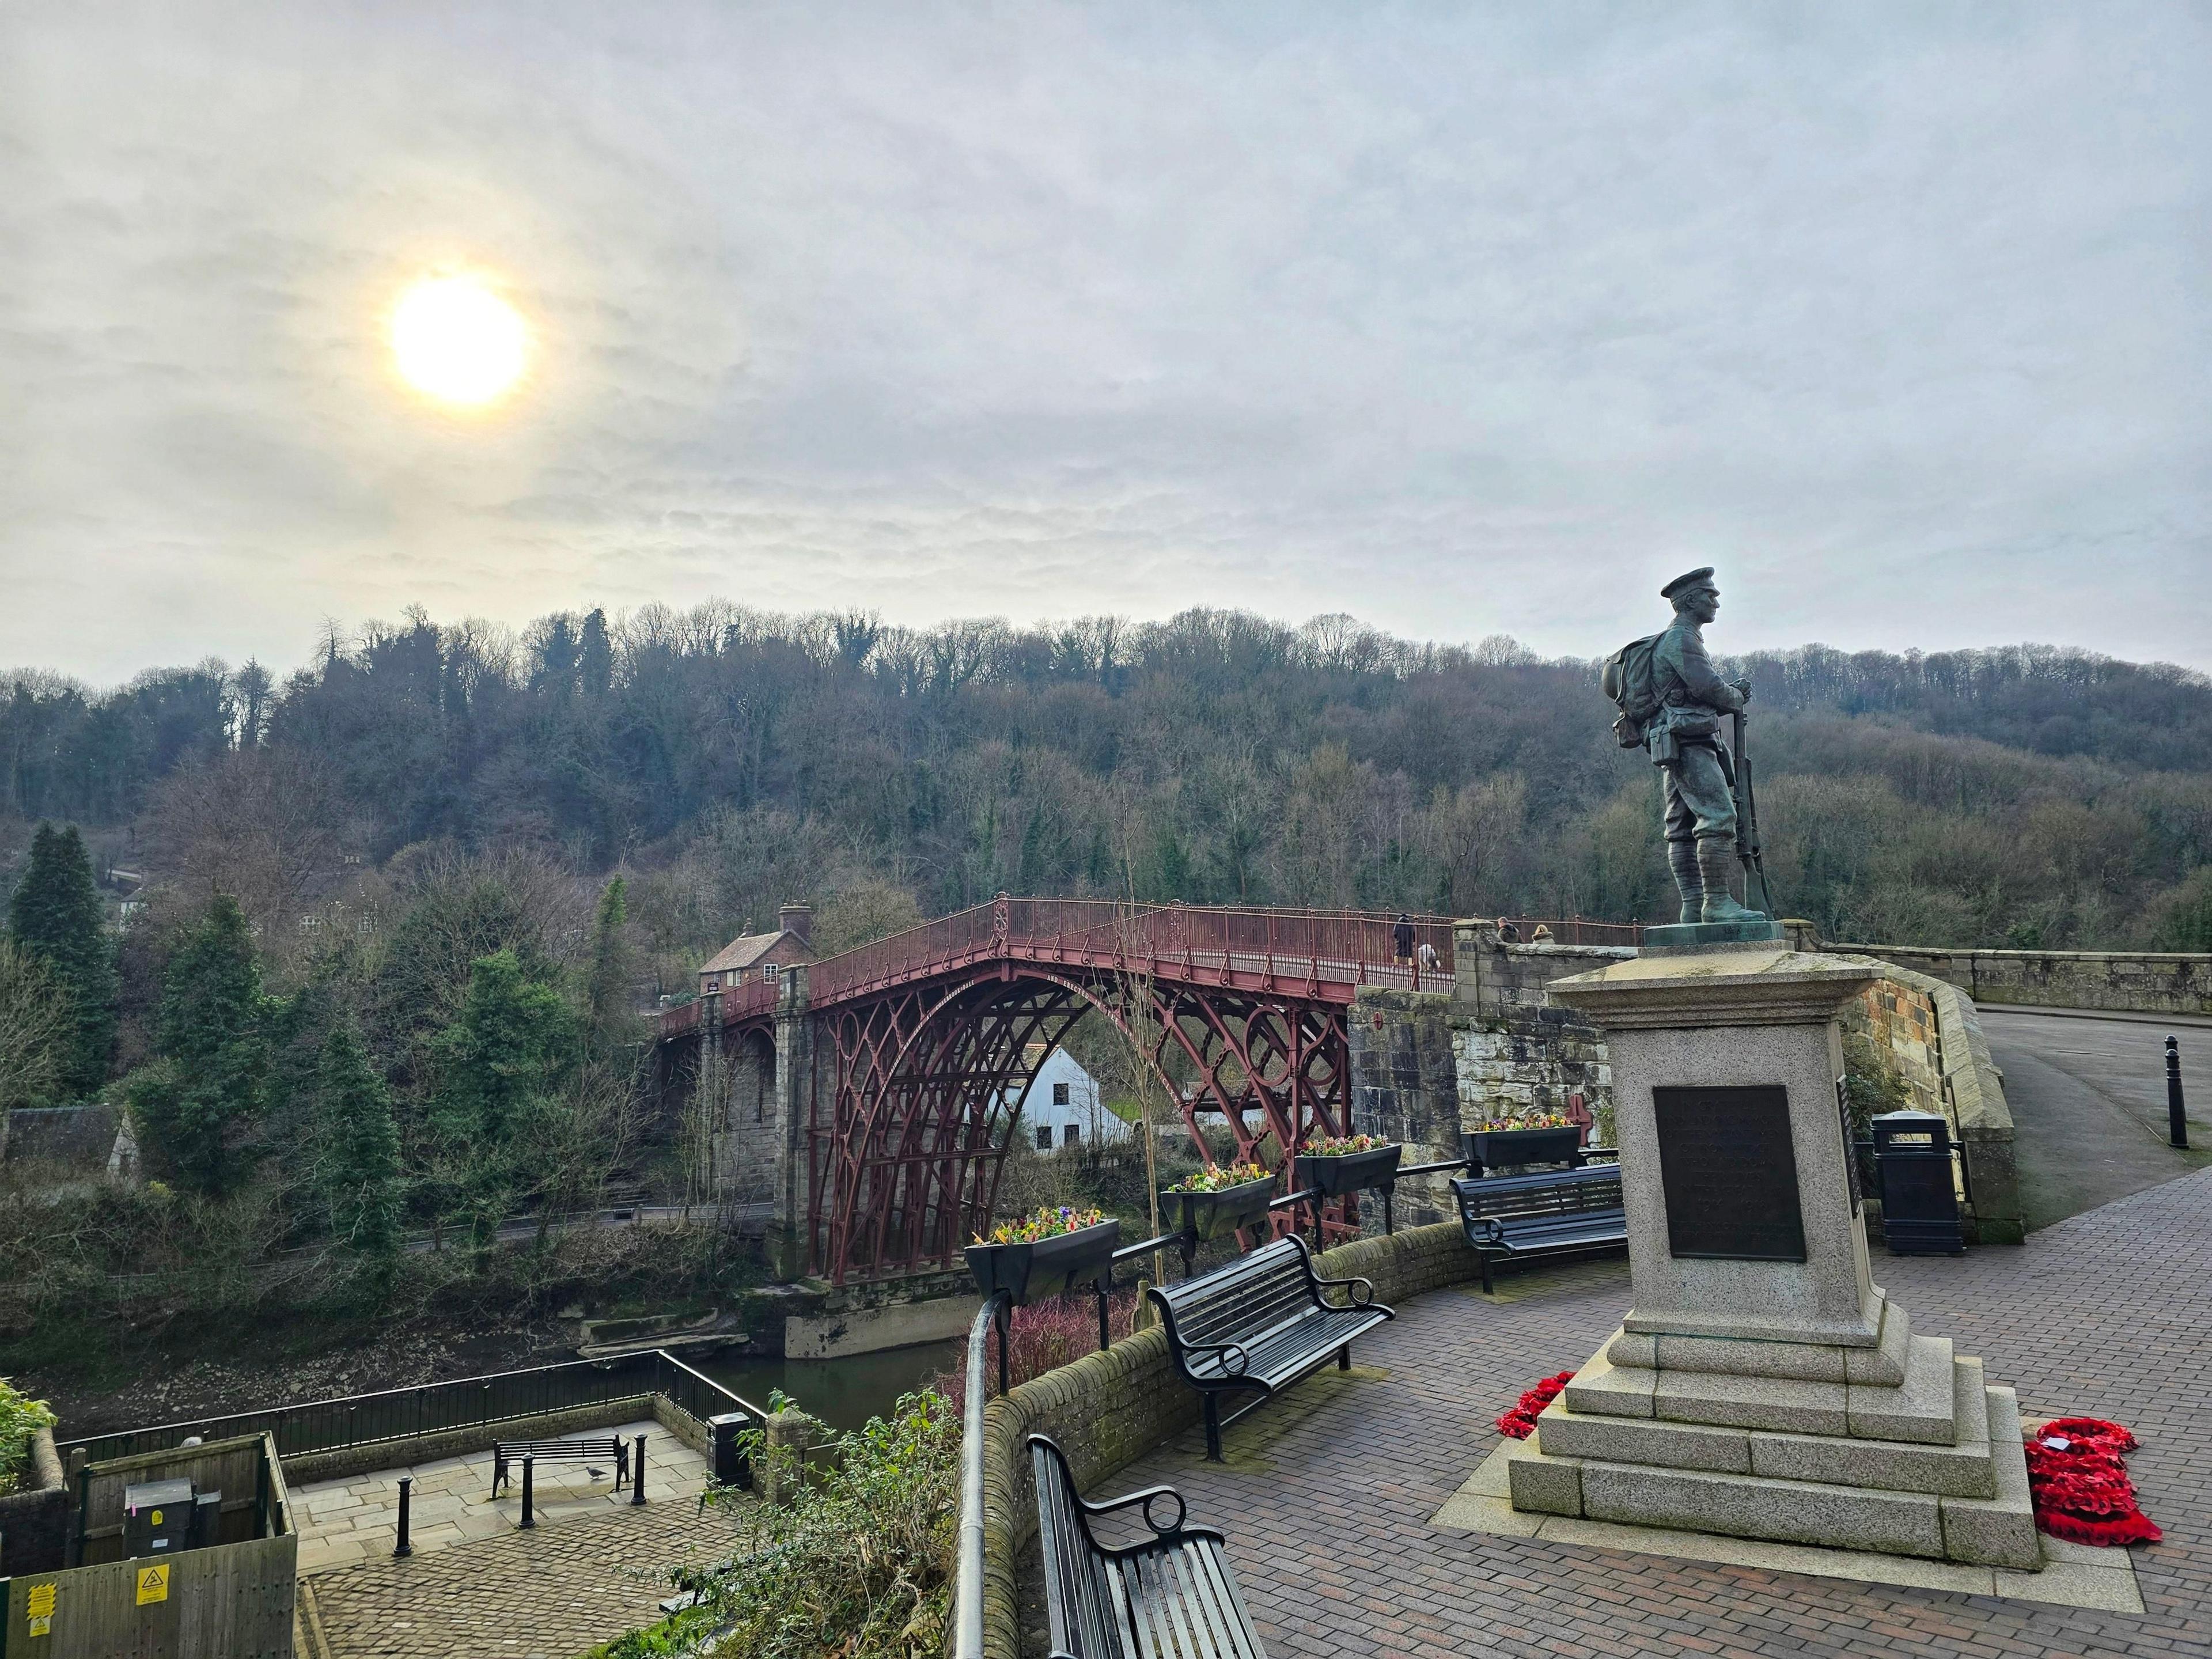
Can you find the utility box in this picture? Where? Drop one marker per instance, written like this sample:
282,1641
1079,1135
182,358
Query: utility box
160,1517
1912,1156
732,1467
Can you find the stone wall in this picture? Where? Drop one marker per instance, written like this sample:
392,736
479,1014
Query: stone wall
2126,982
1934,1037
1108,1409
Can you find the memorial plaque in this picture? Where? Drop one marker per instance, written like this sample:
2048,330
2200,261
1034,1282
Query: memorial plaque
1730,1174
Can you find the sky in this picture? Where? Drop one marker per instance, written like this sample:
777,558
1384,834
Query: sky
1461,319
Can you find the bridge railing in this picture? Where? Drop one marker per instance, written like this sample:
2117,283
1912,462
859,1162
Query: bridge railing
1340,946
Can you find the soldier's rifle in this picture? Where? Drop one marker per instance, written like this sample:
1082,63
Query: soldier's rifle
1746,825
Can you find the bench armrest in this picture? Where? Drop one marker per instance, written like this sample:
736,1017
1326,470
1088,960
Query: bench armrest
1358,1292
1491,1229
1234,1360
1147,1497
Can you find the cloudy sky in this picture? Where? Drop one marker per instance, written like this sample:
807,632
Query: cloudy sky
1462,318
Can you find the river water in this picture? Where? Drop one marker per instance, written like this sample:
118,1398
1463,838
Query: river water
843,1393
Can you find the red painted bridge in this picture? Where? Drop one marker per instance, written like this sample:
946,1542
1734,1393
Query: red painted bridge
895,1065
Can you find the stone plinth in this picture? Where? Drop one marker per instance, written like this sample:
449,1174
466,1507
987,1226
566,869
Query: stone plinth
1762,1385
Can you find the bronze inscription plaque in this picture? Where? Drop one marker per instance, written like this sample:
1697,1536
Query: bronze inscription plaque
1730,1174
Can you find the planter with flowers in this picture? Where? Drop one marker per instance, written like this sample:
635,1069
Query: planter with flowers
1348,1163
1543,1138
1042,1254
1214,1202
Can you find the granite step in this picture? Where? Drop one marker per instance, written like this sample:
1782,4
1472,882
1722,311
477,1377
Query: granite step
1963,1470
1997,1531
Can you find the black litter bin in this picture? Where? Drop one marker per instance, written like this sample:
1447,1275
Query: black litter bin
732,1467
1919,1197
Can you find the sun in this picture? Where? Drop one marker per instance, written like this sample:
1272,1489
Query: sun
456,341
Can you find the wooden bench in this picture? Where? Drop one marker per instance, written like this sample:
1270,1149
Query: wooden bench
610,1451
1169,1596
1261,1323
1507,1217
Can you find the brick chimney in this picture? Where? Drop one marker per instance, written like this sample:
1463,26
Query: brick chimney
798,920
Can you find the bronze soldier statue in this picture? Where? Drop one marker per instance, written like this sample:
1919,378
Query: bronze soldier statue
1685,743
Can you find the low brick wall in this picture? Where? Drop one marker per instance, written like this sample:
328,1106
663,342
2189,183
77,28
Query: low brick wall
2123,981
34,1519
1109,1409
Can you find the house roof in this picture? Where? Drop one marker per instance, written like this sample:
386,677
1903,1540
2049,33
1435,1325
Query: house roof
743,951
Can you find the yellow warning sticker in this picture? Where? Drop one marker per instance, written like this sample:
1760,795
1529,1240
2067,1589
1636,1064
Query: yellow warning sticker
157,1517
39,1606
153,1584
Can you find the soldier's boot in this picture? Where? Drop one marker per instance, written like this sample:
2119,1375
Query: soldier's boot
1716,861
1683,856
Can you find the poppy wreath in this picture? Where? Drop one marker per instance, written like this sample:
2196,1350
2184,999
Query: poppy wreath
1521,1422
2079,1487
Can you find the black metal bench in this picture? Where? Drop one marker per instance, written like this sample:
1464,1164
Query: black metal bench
1261,1323
1507,1217
1169,1596
610,1451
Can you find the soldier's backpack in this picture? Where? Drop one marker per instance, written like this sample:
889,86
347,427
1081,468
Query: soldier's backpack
1629,680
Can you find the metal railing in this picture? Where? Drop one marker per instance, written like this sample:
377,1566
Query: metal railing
399,1414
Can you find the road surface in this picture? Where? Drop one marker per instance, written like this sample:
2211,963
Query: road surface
2087,1093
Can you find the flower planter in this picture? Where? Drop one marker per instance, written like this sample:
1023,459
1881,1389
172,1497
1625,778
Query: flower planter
1490,1149
1217,1215
1350,1172
1044,1267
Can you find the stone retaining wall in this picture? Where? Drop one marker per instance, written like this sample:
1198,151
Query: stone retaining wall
1943,1060
1110,1408
34,1519
2123,981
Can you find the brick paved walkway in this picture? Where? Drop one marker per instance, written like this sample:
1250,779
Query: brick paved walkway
1327,1509
550,1593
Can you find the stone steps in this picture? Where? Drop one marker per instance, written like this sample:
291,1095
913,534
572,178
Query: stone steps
1990,1525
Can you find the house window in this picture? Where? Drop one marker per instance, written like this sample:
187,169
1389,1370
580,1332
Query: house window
1044,1137
770,970
1059,1094
1072,1135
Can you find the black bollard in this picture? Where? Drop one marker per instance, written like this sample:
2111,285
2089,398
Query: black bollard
529,1468
2177,1123
637,1474
403,1548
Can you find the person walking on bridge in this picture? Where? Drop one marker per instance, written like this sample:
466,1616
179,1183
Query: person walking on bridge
1401,939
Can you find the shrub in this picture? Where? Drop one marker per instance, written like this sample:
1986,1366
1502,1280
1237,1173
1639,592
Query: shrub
20,1419
858,1564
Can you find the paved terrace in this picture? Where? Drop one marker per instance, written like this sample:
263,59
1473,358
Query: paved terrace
1329,1493
594,1567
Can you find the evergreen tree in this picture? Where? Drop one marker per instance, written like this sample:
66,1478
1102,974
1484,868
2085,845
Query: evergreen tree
501,1062
596,655
359,1171
56,915
213,1040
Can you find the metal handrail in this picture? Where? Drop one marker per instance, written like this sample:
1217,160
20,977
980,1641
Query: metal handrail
396,1414
968,1567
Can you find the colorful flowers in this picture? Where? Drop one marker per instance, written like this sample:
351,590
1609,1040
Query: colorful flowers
1045,1224
1344,1145
1536,1120
1220,1178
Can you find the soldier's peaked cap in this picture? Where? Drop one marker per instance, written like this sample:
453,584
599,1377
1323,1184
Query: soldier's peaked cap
1701,575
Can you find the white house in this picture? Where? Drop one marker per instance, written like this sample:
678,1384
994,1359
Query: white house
1063,1108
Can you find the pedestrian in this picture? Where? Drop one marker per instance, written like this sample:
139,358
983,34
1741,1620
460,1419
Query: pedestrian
1541,936
1507,933
1401,939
